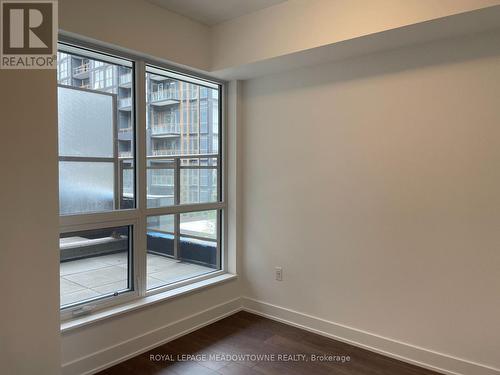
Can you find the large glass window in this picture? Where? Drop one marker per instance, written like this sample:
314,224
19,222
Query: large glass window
180,206
181,171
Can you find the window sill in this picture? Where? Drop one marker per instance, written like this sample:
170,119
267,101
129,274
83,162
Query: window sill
136,304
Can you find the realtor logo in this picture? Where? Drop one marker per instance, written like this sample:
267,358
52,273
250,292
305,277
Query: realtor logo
29,34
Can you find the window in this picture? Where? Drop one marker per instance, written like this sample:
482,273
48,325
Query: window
174,184
98,79
163,177
92,152
204,117
109,76
204,144
103,265
96,176
193,118
62,66
101,241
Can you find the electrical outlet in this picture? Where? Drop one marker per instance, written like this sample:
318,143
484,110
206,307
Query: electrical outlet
279,273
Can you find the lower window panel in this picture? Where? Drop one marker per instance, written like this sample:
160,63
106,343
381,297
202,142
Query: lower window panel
182,246
95,264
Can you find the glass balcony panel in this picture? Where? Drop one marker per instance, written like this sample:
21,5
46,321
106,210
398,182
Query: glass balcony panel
198,185
202,224
83,132
198,237
174,256
160,183
94,133
86,187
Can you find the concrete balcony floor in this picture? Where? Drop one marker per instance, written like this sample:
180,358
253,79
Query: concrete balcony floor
96,276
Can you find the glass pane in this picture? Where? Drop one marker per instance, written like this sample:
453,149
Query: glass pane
182,119
198,178
160,182
215,122
94,264
84,132
163,223
85,187
174,256
161,262
96,124
199,224
198,237
127,198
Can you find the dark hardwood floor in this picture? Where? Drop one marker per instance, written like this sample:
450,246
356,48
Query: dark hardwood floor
220,348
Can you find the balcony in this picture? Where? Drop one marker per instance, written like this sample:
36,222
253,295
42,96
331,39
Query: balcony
165,130
164,97
81,71
94,266
96,276
125,130
125,104
126,154
125,80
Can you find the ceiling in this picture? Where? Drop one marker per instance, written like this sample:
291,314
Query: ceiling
212,12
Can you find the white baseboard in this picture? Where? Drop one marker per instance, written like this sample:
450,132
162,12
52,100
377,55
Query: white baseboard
443,363
422,357
102,359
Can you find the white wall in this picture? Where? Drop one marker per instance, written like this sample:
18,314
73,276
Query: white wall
298,25
29,256
375,184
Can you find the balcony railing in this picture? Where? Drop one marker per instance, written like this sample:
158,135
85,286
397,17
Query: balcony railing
125,102
165,152
81,69
165,128
125,130
169,94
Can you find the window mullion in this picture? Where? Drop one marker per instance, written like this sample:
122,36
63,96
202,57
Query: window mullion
177,201
184,208
140,106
